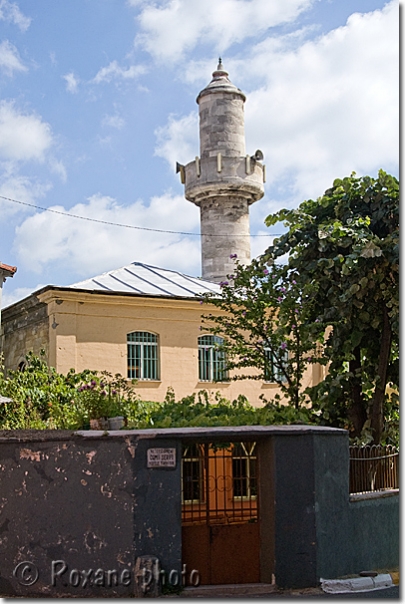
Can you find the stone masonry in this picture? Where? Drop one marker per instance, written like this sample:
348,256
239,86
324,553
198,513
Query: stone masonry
25,327
224,180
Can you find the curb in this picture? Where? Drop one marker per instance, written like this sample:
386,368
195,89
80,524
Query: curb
358,584
217,591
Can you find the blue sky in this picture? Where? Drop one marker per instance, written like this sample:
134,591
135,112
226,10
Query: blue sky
98,103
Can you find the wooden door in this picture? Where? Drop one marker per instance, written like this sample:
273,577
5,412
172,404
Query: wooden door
220,532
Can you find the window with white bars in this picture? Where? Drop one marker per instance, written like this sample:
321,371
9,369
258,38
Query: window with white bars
244,470
211,360
274,370
143,357
192,474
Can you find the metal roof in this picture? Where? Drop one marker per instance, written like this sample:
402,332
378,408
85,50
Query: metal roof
139,278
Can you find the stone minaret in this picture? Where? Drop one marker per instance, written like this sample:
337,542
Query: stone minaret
223,181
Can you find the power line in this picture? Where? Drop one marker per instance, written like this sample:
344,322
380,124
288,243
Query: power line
118,224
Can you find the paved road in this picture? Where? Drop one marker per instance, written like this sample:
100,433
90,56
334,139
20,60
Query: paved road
389,592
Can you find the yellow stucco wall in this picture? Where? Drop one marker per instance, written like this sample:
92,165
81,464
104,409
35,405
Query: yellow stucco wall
89,331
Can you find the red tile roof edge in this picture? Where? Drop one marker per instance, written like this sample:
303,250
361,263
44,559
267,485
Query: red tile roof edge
7,267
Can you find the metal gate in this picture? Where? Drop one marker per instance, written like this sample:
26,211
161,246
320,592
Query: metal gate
220,528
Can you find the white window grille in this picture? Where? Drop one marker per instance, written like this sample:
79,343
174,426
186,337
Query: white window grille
143,358
244,470
274,371
211,360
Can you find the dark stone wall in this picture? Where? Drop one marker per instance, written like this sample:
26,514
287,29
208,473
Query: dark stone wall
319,532
331,466
25,328
89,502
157,514
373,535
351,535
295,528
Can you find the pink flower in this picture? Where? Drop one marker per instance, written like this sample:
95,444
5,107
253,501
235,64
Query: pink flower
233,256
265,271
283,345
279,299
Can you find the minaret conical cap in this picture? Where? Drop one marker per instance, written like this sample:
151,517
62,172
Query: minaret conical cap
220,83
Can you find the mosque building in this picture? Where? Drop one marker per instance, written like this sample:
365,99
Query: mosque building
142,321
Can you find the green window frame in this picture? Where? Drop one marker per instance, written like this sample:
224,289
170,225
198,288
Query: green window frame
211,360
143,355
273,373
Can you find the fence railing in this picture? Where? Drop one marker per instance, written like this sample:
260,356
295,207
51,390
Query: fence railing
373,468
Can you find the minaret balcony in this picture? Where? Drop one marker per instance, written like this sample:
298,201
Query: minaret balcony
223,176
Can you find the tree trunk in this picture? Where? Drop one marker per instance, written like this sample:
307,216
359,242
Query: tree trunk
357,413
379,392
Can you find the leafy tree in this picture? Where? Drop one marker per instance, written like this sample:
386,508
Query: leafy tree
334,301
263,323
347,244
42,398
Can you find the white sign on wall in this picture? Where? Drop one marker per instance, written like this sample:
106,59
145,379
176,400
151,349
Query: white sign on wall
162,458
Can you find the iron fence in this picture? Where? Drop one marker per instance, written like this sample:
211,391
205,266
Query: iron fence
373,468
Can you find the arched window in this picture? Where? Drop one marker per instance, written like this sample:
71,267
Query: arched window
211,360
143,357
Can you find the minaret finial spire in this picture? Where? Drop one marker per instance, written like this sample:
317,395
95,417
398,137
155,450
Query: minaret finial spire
220,71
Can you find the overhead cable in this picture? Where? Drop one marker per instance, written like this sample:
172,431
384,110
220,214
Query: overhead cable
126,226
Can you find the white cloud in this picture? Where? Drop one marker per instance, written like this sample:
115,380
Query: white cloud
9,11
57,167
64,243
9,59
113,121
178,140
319,109
23,136
17,294
331,105
170,28
72,82
114,71
20,188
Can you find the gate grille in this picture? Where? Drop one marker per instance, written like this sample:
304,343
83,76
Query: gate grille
219,483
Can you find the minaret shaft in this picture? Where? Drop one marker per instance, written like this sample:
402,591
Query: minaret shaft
223,181
225,232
